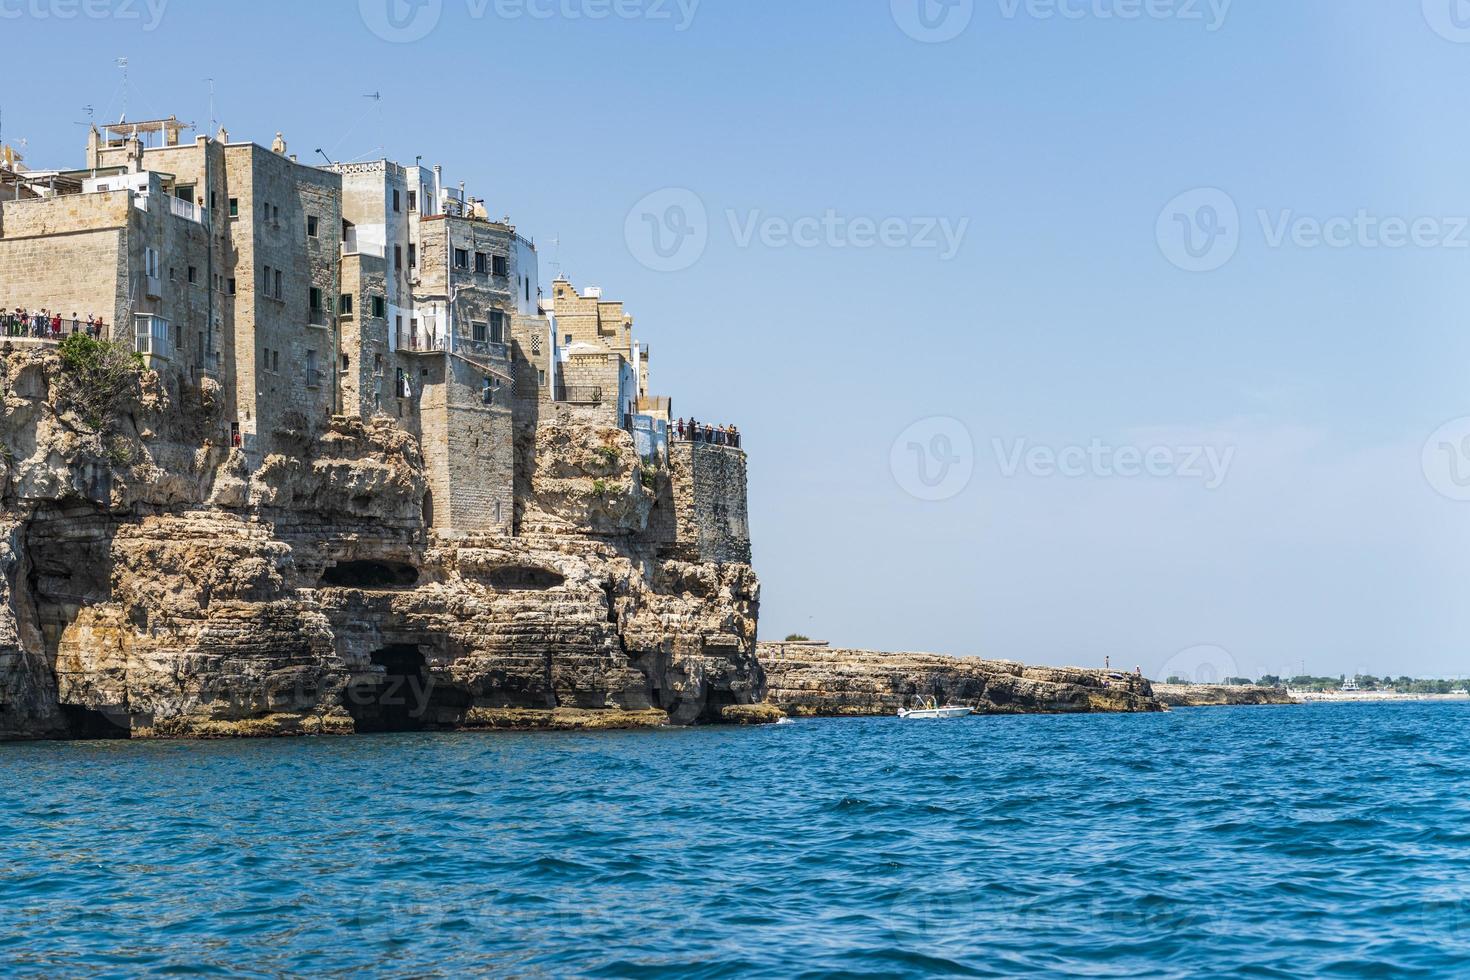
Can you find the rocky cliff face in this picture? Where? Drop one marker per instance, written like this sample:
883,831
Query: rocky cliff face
809,681
156,583
1218,695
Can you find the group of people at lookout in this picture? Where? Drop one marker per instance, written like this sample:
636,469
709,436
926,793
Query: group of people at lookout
714,435
47,324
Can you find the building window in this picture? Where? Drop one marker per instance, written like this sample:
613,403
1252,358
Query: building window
482,263
280,290
396,207
398,257
314,301
265,282
380,307
528,289
541,377
502,267
150,262
567,341
345,304
413,256
413,200
311,226
275,215
193,274
461,259
478,329
313,376
230,286
234,207
487,392
497,327
275,360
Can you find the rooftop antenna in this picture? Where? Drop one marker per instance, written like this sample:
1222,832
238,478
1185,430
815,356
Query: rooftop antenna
325,157
213,122
556,255
122,64
378,98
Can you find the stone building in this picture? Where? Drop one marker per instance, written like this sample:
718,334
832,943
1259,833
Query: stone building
362,290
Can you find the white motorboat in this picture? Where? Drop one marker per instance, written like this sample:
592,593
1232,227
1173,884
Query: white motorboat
930,710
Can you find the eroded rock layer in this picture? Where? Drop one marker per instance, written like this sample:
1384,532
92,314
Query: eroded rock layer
1219,695
155,582
810,681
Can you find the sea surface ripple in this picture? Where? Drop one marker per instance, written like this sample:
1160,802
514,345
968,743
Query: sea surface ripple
1324,840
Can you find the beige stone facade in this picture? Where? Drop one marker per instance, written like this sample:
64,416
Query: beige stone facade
365,291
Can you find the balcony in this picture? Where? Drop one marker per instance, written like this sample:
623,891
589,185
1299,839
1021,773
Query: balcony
579,394
189,212
415,343
151,336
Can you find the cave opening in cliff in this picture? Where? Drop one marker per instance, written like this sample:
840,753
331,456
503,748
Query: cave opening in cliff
91,724
370,575
525,578
400,699
715,705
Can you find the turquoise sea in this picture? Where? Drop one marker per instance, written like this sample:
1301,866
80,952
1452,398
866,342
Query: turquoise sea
1328,840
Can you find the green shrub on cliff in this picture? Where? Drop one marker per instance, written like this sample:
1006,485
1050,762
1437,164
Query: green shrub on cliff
97,376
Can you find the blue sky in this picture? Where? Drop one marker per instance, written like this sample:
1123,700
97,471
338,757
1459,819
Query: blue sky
1050,140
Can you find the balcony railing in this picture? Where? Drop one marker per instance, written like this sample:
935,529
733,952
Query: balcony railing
151,335
579,394
414,343
313,378
188,211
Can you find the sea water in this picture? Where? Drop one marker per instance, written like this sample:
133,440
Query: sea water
1323,840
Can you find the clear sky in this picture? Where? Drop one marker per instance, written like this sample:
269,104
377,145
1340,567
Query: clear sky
940,252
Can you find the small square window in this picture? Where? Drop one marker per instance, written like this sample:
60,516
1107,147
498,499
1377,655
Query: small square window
480,331
461,258
502,266
234,207
482,261
346,304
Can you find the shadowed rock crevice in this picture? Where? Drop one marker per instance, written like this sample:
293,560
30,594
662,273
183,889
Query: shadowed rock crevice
370,575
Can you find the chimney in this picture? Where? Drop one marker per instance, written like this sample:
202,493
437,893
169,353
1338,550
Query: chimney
278,145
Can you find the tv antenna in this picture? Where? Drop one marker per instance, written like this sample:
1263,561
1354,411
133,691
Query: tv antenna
213,122
122,64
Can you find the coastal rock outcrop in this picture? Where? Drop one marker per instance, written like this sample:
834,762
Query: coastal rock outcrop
1220,695
155,581
815,681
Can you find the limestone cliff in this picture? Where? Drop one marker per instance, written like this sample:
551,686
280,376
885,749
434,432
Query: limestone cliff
1219,695
812,681
156,582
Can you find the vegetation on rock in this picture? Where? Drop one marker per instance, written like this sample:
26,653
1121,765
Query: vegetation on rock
97,378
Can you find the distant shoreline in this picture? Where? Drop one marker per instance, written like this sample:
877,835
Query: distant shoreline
1350,697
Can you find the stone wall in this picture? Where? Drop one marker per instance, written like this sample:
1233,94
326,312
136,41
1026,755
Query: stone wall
710,507
811,681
